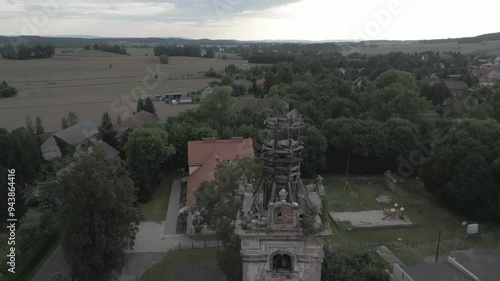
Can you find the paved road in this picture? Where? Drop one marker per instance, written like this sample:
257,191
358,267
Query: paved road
55,263
170,225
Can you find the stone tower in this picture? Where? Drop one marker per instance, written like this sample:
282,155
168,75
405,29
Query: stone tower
280,222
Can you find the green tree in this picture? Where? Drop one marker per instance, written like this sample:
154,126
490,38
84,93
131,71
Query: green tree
216,206
29,124
210,53
284,75
86,48
315,145
7,91
238,89
437,93
164,59
217,110
64,123
140,105
464,167
73,119
392,76
363,142
28,155
396,101
95,47
99,192
339,105
107,131
149,106
346,266
226,81
39,126
182,131
20,151
147,148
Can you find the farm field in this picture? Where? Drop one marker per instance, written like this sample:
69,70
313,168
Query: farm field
488,48
84,83
421,210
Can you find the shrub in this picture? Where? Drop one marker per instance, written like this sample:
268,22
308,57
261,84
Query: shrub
6,91
164,59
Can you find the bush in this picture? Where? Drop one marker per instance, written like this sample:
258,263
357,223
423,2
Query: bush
212,73
226,81
34,239
164,59
6,91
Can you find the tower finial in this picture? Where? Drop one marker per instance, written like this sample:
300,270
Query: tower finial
283,194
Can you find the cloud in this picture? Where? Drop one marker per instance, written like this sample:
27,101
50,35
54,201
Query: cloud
167,11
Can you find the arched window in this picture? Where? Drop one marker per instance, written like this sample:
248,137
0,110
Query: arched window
281,262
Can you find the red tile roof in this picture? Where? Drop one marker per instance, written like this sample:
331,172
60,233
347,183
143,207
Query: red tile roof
207,154
137,120
260,82
484,71
199,151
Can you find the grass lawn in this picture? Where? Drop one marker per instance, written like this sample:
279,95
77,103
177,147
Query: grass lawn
197,264
421,210
156,208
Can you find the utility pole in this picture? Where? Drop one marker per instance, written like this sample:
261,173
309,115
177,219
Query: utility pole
437,250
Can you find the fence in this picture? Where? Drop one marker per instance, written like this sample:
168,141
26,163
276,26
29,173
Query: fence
198,245
144,276
390,241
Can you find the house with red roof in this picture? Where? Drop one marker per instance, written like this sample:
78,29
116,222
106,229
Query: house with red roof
203,157
486,71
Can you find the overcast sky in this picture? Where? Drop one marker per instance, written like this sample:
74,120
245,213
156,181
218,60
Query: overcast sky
252,19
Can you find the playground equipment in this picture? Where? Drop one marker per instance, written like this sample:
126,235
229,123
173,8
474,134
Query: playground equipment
392,212
345,183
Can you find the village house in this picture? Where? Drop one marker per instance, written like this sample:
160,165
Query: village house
260,83
69,140
203,157
361,81
136,120
456,87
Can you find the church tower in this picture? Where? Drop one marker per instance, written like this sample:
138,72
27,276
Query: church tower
280,223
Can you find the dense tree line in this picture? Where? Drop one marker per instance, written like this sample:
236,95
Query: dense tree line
23,52
107,48
270,59
178,51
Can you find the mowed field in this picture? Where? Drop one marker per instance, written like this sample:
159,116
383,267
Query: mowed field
487,48
84,83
